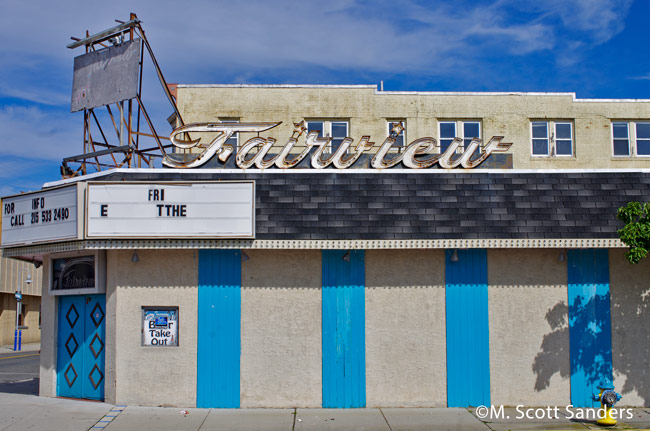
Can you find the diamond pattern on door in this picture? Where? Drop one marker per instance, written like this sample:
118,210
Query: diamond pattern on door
97,315
96,346
67,378
98,376
72,350
72,312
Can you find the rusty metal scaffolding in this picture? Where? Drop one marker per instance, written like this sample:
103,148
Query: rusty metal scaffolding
126,150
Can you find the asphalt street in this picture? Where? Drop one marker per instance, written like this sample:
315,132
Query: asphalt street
19,372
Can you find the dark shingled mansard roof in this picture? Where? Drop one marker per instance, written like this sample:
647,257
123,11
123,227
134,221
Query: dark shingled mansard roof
448,205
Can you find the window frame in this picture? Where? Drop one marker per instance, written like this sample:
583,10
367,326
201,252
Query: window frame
459,126
632,138
629,138
235,136
636,139
396,148
532,139
554,138
327,130
551,137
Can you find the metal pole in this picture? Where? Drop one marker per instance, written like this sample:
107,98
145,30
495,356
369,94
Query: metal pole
17,335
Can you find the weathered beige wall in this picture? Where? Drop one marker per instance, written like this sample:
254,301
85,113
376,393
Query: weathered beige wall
111,342
367,110
164,375
630,307
406,363
529,332
281,329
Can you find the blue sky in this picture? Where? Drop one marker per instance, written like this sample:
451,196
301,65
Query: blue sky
595,48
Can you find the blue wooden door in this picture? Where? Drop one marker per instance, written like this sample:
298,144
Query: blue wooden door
468,354
81,342
590,333
343,314
219,329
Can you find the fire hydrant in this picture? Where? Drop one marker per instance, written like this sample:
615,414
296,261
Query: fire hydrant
607,398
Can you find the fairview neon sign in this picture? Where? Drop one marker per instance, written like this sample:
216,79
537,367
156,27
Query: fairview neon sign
421,153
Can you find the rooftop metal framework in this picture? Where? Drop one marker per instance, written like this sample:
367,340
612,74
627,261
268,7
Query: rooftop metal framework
117,137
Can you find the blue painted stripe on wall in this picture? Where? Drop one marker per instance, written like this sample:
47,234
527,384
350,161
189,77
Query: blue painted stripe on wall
344,346
590,332
219,329
468,354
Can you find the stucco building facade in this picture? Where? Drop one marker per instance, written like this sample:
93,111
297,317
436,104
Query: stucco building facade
360,286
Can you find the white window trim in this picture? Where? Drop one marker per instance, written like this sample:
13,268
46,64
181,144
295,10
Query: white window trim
397,149
548,137
633,142
460,131
327,132
551,126
636,141
630,147
235,136
553,138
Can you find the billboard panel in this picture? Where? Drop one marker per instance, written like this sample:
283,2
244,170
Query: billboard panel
40,217
106,76
176,210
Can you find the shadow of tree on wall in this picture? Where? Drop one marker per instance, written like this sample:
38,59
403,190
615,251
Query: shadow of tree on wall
631,338
631,333
552,357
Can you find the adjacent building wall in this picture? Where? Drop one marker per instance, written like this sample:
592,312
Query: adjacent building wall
405,328
31,333
529,332
630,308
368,111
160,375
281,359
13,274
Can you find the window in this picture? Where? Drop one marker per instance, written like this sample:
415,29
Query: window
337,130
468,131
621,139
559,142
234,139
643,139
631,138
400,141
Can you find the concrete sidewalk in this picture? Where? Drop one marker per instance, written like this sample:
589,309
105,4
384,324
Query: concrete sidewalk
26,348
20,412
371,419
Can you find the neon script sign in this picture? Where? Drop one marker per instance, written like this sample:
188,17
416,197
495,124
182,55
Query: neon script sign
421,153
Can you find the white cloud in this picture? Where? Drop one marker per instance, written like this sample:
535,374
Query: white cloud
198,41
594,20
38,95
600,19
32,132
